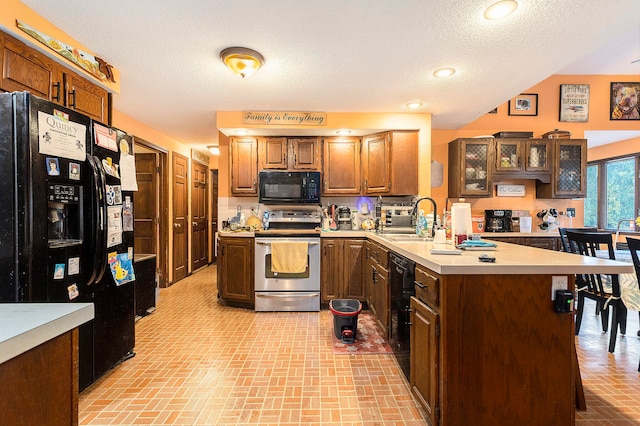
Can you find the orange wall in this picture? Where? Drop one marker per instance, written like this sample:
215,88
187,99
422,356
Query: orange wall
547,119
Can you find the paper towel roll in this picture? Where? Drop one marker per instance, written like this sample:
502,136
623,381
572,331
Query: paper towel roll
461,219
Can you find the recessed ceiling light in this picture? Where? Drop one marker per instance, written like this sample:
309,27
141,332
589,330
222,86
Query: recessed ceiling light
343,132
444,72
414,105
214,149
501,9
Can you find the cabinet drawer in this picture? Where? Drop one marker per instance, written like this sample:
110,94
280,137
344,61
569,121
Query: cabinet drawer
427,287
380,255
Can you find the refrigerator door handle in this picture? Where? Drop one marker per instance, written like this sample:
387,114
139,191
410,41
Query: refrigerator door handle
96,213
102,239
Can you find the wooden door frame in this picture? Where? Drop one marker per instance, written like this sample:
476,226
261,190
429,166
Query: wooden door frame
162,257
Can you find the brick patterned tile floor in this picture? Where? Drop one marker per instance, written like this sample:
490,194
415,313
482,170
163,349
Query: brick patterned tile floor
200,363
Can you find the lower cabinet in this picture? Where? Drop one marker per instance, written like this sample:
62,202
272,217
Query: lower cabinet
236,270
377,284
425,366
341,269
549,243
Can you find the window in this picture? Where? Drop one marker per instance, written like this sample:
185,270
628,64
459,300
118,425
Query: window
612,186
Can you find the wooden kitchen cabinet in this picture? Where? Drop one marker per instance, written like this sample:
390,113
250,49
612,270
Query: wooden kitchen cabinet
342,269
26,69
471,165
424,359
341,166
289,153
569,173
377,284
235,274
548,243
390,163
244,166
522,155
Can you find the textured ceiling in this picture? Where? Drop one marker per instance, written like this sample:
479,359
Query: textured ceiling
341,55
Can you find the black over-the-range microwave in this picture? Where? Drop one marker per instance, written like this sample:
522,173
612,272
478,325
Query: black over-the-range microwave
280,187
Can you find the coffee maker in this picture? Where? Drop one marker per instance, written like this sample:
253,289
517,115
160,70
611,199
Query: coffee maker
498,220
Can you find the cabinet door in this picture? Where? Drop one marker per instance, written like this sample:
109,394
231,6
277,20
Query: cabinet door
330,271
508,155
470,168
404,163
570,168
353,268
547,243
424,359
85,97
381,284
237,265
24,69
304,153
537,155
341,166
375,163
273,154
244,166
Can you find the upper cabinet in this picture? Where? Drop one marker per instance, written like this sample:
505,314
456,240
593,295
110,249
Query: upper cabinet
301,153
341,166
390,163
244,166
569,179
26,69
557,165
471,168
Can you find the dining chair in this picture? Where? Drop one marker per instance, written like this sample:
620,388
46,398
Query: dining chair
634,246
579,284
604,289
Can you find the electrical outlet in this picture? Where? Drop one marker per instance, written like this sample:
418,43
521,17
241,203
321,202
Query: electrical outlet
571,212
558,283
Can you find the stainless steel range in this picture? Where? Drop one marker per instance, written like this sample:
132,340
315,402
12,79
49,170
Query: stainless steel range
288,290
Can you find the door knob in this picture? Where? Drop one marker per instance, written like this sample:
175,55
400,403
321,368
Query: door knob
194,223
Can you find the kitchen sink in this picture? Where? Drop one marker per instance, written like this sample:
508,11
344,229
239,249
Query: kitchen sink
396,238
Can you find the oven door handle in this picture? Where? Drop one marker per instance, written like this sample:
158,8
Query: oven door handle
268,243
288,296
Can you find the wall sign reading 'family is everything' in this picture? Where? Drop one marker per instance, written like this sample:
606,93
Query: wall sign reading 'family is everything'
285,117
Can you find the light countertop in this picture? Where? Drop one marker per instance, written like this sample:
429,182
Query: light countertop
23,326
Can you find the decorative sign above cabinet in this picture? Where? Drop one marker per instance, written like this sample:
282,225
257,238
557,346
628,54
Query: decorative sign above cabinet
510,190
284,117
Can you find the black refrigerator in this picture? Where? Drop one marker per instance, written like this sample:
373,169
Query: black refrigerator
66,222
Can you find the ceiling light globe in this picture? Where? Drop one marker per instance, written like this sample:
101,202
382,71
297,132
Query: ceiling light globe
414,105
500,9
241,60
444,72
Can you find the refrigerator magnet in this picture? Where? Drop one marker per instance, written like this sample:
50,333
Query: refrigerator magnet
58,271
73,291
74,265
53,166
74,171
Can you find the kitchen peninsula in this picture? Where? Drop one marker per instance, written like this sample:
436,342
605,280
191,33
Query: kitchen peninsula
39,358
486,343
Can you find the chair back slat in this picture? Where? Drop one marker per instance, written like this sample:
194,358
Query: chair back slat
587,244
634,246
563,237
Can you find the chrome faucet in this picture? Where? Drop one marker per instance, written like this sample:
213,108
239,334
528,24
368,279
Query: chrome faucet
414,213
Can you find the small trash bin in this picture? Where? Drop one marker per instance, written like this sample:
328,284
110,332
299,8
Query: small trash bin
345,318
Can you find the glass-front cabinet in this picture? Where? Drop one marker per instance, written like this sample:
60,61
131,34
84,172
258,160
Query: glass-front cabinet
471,173
568,179
522,155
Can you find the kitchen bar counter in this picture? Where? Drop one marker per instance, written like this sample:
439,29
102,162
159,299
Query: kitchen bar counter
39,362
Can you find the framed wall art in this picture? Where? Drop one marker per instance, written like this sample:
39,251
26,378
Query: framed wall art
524,104
624,101
574,103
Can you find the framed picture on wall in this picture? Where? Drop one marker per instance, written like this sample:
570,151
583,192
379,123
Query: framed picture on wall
524,104
624,101
574,103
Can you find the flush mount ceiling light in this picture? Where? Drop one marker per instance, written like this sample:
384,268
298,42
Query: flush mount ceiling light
215,150
242,60
414,105
500,9
444,72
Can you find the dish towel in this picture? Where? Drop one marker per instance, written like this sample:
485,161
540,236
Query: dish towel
289,257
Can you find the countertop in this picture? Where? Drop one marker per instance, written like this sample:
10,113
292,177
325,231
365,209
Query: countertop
23,326
362,234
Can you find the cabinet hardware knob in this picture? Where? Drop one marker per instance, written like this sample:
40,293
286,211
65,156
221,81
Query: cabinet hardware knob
419,284
73,96
57,95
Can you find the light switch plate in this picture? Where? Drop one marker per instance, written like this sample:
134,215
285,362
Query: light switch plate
558,283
